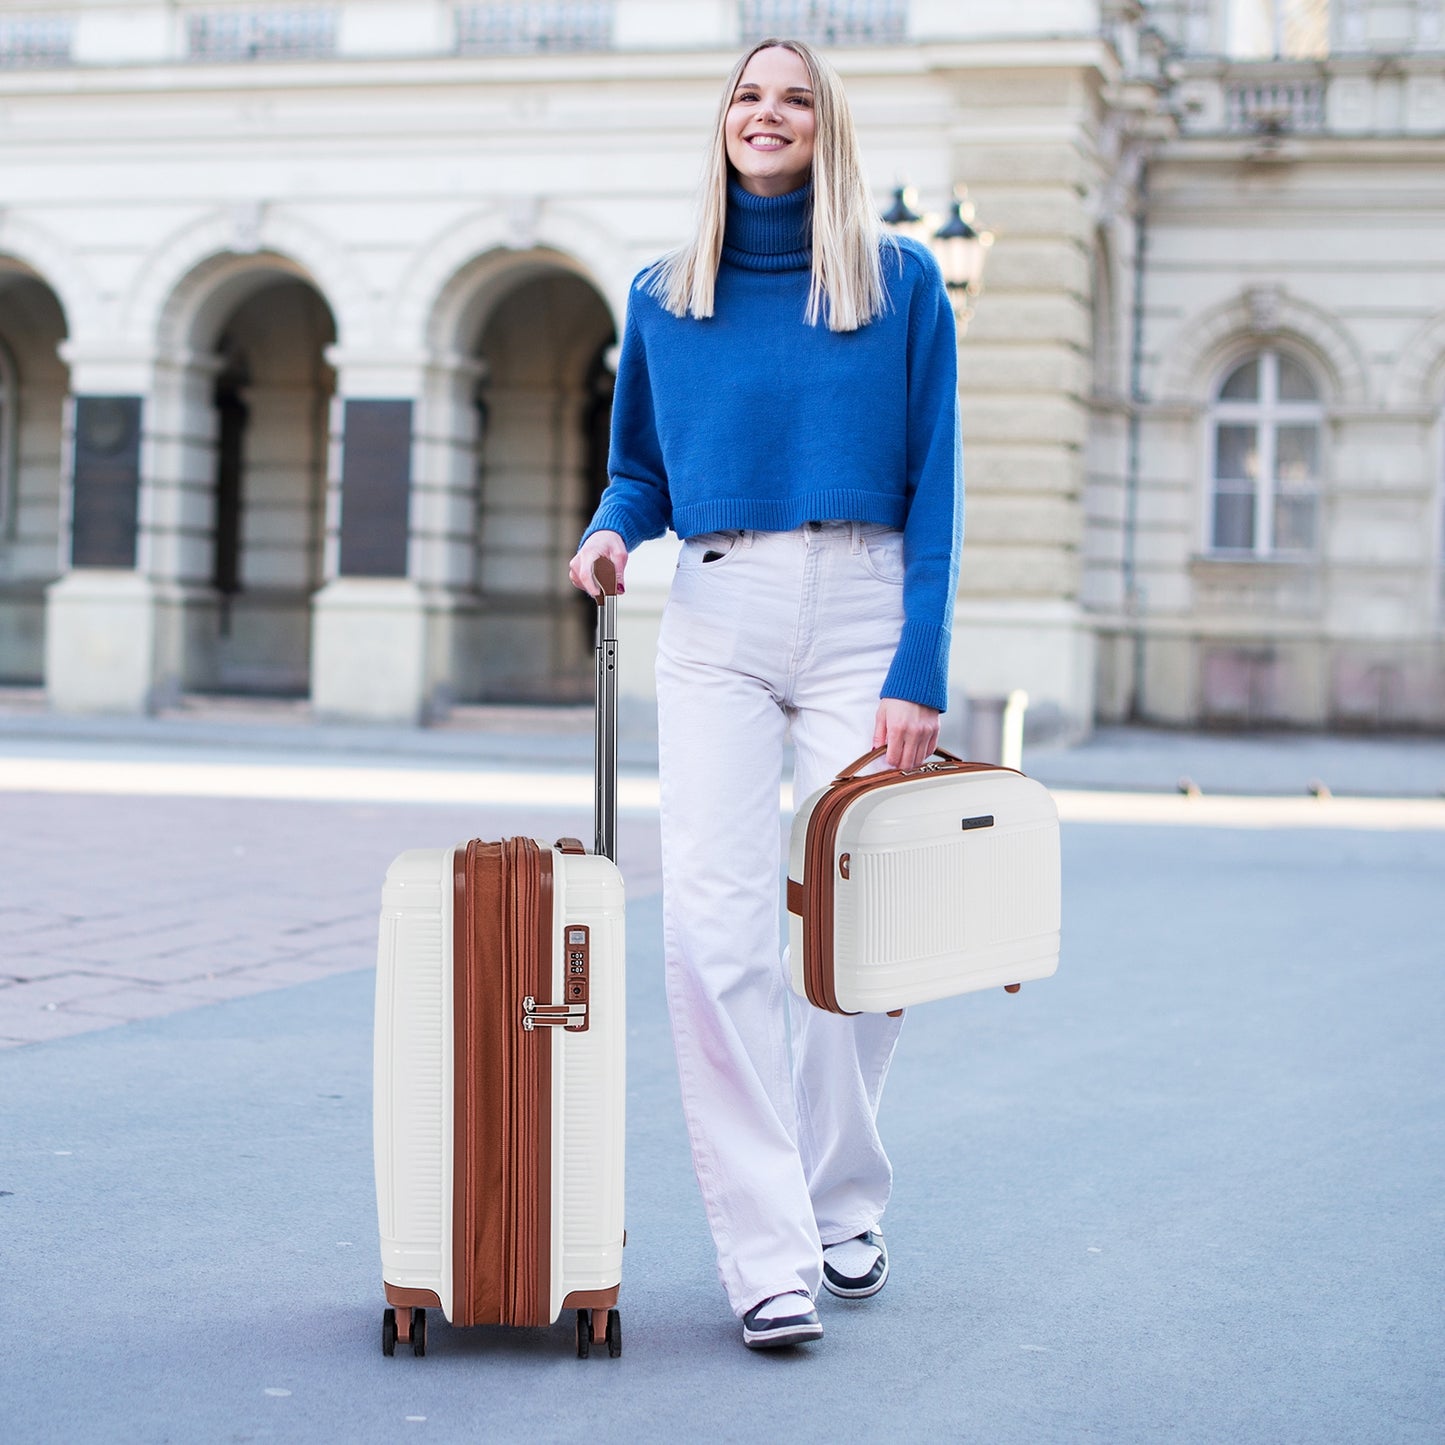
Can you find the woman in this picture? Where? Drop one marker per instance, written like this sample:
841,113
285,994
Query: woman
787,403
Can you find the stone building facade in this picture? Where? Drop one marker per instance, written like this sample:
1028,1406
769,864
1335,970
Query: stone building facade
308,314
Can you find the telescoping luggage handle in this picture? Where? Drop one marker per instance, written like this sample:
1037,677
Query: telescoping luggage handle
604,574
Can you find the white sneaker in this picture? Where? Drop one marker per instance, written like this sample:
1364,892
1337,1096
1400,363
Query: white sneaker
785,1319
856,1268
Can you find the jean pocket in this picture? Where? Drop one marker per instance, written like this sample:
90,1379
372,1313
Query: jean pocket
710,549
882,553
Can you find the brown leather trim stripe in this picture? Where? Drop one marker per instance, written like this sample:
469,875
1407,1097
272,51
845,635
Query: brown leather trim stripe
526,1123
592,1299
425,1299
502,1140
479,1069
462,1091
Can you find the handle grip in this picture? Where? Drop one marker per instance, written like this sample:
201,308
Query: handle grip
858,764
604,574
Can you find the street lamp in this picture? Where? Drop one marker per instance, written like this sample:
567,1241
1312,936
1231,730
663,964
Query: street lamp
960,249
901,216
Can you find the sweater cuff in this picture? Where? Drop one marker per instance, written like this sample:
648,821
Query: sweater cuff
619,520
920,666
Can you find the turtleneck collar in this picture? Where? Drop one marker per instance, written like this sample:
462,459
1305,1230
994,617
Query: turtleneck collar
769,233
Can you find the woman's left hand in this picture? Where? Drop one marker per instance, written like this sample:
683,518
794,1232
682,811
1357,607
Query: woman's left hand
907,729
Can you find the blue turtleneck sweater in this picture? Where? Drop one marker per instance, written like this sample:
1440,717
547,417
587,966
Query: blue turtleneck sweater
752,419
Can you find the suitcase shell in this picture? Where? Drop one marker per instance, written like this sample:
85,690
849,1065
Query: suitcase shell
491,1212
909,887
498,1070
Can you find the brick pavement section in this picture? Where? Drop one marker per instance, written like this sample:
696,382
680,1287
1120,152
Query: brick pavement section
115,908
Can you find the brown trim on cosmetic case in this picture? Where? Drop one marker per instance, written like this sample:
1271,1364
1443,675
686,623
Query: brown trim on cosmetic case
812,899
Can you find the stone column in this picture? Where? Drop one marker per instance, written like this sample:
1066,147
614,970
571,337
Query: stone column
127,626
101,652
368,622
1025,381
387,627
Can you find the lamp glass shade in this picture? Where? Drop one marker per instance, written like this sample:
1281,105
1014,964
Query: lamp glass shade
961,261
959,250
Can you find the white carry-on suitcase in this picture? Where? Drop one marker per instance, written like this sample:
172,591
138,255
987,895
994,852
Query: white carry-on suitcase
498,1084
905,887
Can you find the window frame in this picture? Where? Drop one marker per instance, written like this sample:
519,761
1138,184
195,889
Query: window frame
1267,413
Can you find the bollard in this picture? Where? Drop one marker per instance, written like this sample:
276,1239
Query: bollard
1011,754
996,729
984,742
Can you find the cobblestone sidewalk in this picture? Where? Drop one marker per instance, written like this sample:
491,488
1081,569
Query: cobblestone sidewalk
119,908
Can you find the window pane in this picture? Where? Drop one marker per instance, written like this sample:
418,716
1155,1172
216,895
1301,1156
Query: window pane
1234,521
1236,453
1307,29
1242,384
1297,454
1294,523
1295,383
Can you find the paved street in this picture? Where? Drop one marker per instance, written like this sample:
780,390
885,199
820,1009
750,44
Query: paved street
1190,1189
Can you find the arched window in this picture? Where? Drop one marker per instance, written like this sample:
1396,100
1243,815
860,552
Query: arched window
1266,429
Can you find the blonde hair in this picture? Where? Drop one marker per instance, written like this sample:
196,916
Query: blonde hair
847,235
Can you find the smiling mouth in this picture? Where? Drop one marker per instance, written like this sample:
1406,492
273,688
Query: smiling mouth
767,142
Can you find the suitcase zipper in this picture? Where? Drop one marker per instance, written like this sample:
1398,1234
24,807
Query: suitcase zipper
527,1091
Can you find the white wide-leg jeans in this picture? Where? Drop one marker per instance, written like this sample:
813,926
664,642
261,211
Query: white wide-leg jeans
784,633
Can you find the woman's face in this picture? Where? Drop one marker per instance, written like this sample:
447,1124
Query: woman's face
770,123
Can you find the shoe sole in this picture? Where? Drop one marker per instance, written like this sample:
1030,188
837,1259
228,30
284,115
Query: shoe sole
865,1293
775,1339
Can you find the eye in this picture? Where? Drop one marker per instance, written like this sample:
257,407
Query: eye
744,96
806,101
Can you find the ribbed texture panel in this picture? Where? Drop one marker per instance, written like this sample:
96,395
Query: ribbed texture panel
919,672
417,1079
412,1047
912,910
589,1106
783,514
769,233
585,1133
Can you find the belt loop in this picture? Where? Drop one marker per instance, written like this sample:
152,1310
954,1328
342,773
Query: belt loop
855,534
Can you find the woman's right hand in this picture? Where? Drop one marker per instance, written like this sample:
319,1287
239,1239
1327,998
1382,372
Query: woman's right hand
599,544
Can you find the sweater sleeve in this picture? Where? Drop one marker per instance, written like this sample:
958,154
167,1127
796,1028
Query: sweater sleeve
933,529
636,503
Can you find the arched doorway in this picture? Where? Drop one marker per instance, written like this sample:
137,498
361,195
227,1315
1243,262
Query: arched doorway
34,383
256,394
544,405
